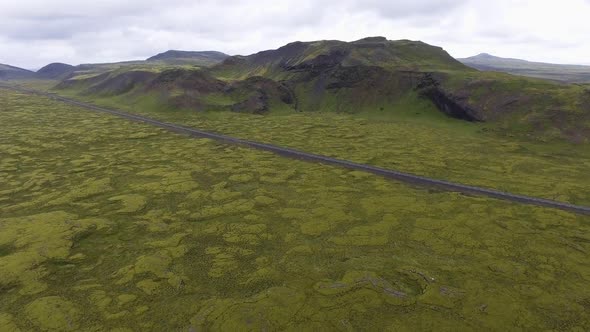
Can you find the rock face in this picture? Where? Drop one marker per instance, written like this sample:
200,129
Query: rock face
451,105
320,63
256,104
446,102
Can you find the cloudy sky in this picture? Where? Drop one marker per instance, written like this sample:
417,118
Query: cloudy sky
36,32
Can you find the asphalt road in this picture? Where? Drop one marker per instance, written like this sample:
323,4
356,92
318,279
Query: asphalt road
296,154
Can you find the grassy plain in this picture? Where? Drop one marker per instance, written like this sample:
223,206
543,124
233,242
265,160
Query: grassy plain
409,136
107,225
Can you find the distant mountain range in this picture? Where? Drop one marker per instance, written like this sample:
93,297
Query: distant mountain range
483,61
372,74
557,72
59,71
368,75
14,73
55,71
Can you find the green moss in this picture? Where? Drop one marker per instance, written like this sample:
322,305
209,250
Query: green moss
224,195
222,263
88,189
100,299
149,286
264,200
156,264
269,309
316,227
325,249
53,313
370,235
241,178
36,239
7,323
124,299
131,203
141,310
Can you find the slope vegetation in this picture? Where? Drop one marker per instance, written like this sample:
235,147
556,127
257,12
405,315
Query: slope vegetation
204,58
222,238
371,75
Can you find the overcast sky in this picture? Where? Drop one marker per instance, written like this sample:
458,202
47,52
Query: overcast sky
36,32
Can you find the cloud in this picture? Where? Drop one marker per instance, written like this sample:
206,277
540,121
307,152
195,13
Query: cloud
408,9
36,32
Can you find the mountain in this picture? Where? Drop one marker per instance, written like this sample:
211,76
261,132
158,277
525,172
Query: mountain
189,57
55,71
400,55
167,60
375,75
329,75
557,72
305,76
11,73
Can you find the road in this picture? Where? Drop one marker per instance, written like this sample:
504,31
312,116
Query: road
296,154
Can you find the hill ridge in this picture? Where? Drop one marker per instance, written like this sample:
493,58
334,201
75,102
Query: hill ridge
197,55
571,73
8,72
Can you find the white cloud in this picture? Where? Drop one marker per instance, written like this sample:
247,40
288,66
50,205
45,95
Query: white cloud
35,32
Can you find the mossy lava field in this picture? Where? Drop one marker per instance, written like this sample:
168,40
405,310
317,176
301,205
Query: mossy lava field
109,225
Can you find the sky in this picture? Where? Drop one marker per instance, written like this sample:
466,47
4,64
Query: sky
34,33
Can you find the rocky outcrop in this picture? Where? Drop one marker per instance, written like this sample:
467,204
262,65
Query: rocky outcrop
255,104
320,63
452,105
192,80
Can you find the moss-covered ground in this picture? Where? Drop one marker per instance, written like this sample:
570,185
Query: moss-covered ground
108,225
409,136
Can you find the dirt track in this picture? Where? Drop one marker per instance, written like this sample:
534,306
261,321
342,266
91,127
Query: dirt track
392,174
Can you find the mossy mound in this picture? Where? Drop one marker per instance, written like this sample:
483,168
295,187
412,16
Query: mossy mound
54,313
7,323
35,240
131,203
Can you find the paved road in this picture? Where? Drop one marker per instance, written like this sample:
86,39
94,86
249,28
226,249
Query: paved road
388,173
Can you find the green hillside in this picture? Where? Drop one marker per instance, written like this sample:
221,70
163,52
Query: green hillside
396,119
371,75
201,58
318,56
